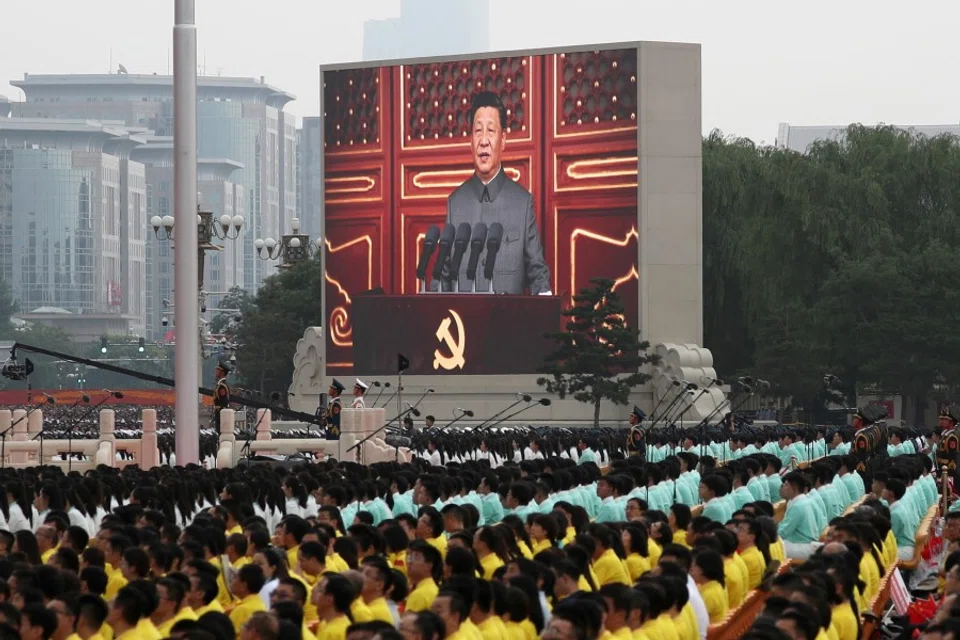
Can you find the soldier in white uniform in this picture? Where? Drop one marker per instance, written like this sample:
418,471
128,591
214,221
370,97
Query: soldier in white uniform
359,389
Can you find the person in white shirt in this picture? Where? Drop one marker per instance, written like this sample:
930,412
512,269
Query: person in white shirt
433,456
359,388
533,452
16,519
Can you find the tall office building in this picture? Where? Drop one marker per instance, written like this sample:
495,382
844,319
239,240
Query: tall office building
429,28
800,137
72,224
239,119
309,176
223,270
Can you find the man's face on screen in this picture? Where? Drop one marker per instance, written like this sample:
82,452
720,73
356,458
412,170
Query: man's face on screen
488,142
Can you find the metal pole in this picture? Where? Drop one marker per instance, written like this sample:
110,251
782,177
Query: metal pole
185,271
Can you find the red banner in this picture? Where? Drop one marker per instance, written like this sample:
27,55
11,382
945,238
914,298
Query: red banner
140,397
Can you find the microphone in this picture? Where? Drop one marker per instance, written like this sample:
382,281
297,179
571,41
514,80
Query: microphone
465,412
477,240
545,402
49,398
115,394
494,238
460,243
443,250
429,244
413,409
525,397
763,384
376,384
275,396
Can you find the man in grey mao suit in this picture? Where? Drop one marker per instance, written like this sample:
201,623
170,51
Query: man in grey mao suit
490,196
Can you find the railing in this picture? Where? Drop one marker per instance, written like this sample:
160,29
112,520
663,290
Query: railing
23,446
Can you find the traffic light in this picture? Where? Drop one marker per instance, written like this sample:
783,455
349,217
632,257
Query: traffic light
140,345
103,344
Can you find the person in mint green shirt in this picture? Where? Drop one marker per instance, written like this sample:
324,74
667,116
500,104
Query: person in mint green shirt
741,494
772,472
798,529
903,520
713,488
586,454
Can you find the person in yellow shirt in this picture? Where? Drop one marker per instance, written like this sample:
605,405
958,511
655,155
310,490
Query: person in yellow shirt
707,572
89,613
753,549
424,567
618,599
634,538
430,528
202,595
679,519
450,607
263,624
236,551
377,579
46,542
126,611
606,563
673,579
332,598
246,586
113,554
572,619
424,625
659,603
171,605
491,550
543,533
483,616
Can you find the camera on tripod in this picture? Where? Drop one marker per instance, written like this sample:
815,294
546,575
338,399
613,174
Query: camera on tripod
13,370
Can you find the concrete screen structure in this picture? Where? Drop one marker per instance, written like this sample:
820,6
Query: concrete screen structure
605,138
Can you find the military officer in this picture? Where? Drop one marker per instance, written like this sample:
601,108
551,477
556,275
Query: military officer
221,393
359,388
949,445
333,410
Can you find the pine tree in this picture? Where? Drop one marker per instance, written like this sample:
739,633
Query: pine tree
598,357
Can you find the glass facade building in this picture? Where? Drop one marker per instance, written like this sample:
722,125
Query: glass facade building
309,177
69,211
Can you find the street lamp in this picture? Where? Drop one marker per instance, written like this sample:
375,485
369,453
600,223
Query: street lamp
226,227
293,247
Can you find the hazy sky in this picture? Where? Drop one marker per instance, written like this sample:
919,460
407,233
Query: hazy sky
764,62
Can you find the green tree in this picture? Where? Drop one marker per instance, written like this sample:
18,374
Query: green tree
285,305
838,260
598,357
47,371
228,322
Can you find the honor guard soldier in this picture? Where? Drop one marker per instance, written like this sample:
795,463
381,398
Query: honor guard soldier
333,410
221,394
870,440
949,445
359,389
636,439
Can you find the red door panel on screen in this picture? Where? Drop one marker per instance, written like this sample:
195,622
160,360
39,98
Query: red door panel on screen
357,197
591,158
398,143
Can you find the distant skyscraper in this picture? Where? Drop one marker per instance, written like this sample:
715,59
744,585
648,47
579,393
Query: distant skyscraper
309,176
238,119
429,28
70,243
800,137
223,270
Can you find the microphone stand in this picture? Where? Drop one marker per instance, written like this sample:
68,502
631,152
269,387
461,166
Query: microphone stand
3,434
462,415
389,398
480,426
377,399
670,407
72,428
515,413
249,438
654,412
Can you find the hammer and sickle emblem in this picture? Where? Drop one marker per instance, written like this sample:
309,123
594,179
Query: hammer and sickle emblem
455,345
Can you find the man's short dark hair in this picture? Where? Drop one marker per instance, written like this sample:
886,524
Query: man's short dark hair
488,99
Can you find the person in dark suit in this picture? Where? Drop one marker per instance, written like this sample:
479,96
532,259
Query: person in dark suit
490,196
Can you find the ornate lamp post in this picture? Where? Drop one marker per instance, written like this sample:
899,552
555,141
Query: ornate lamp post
292,248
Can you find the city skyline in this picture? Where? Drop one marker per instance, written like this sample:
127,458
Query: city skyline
763,64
